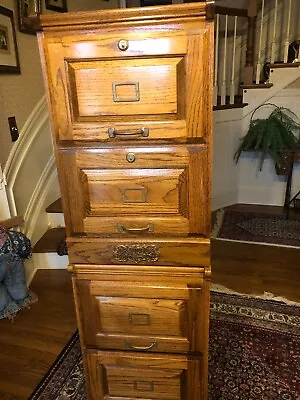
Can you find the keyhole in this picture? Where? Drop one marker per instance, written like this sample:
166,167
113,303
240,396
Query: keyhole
123,44
130,157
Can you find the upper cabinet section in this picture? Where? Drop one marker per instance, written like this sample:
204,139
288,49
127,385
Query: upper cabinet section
130,83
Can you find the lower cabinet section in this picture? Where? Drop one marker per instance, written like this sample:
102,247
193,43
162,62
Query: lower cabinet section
155,309
144,330
126,375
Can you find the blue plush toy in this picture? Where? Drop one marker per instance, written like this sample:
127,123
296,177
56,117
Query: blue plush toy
14,294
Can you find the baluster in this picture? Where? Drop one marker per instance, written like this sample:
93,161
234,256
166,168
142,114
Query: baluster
286,44
258,65
273,45
232,88
251,36
217,27
223,86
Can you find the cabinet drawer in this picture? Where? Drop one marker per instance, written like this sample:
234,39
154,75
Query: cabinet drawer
166,250
150,90
165,314
125,87
131,376
141,316
130,190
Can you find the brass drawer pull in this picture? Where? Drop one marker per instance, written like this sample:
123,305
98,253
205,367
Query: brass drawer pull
112,132
122,228
129,345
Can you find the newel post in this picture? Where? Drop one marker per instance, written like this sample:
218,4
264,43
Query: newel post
249,66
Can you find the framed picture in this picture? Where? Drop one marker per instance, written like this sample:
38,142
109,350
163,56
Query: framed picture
9,57
25,9
56,5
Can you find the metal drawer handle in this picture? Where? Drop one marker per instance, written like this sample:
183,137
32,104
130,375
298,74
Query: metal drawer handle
112,132
129,345
122,228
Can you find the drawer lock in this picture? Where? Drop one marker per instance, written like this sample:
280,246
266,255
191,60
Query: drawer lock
130,157
123,44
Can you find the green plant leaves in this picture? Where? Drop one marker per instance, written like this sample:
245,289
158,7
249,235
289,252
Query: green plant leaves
271,135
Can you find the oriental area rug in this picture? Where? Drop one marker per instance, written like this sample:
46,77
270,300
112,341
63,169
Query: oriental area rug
254,354
262,228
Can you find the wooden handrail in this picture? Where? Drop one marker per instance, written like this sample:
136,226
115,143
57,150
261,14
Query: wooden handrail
232,12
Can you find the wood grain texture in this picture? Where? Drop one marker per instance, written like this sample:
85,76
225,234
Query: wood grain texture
149,85
169,377
30,344
250,268
129,15
132,131
125,311
167,251
166,69
185,274
119,201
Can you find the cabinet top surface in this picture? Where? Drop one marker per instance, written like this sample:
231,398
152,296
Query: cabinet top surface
80,19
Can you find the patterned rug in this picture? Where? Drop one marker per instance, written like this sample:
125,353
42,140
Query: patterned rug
259,228
254,354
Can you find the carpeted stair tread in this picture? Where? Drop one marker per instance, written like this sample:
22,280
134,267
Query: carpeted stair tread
55,207
50,241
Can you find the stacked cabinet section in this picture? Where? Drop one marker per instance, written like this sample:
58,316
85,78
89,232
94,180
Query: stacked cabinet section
130,100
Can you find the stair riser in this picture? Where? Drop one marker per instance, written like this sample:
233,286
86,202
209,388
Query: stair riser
49,261
56,219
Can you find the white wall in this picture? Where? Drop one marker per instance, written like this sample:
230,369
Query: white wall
19,93
266,187
226,133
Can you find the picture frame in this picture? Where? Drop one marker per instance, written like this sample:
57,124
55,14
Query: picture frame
9,56
27,8
56,5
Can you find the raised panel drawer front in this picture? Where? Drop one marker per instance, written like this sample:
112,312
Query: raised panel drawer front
166,250
129,191
151,90
161,314
131,376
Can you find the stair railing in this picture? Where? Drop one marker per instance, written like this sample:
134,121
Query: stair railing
247,39
230,28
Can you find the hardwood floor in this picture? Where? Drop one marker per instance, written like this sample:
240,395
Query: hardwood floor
30,344
255,269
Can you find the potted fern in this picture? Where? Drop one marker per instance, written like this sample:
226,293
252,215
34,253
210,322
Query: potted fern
272,135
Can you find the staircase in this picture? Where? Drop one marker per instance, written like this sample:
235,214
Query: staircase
249,42
45,251
250,45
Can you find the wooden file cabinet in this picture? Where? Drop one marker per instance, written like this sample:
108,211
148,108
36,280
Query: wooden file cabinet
130,95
